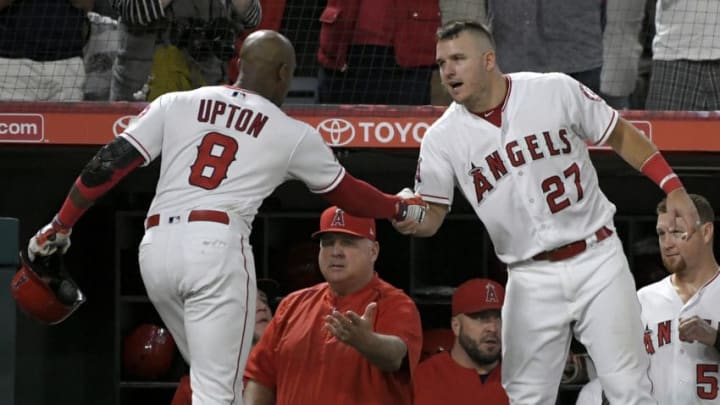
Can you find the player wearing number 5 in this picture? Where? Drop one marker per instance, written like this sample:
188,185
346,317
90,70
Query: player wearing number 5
681,312
224,149
515,145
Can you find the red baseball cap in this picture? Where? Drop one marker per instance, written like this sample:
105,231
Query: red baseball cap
477,295
334,219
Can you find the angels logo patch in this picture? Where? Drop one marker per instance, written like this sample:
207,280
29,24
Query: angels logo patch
490,294
589,93
339,219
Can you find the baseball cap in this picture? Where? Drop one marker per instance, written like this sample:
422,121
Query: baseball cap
477,295
334,219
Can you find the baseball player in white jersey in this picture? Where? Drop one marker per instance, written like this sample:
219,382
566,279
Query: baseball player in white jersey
681,312
515,145
224,148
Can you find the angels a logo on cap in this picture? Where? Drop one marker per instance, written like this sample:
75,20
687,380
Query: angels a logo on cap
338,219
490,295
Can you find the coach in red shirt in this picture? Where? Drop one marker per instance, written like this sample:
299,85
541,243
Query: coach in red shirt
353,339
469,374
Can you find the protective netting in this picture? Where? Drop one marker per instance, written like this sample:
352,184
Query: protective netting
357,51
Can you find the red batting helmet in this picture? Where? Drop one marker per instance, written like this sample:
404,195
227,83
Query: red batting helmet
44,291
148,352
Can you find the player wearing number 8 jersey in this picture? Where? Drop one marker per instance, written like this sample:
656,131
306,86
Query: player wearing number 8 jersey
224,149
515,145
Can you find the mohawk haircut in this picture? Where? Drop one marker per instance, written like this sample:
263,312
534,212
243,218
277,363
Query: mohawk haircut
452,29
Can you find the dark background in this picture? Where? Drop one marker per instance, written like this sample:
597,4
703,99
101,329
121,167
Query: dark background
76,362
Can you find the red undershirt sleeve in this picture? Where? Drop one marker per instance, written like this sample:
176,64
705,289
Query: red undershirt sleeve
70,212
361,199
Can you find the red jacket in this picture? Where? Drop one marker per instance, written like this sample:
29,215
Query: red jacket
305,364
408,26
440,380
272,14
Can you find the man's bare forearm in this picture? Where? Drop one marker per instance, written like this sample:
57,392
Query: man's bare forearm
434,217
386,352
258,394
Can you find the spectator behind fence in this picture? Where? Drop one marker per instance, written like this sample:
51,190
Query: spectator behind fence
680,312
549,36
267,290
99,55
686,56
354,339
41,48
470,371
626,52
174,45
377,51
272,14
621,50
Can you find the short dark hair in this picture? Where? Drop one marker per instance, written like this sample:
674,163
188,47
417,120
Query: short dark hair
452,29
705,210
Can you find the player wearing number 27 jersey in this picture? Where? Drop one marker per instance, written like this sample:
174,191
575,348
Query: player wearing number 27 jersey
224,150
515,146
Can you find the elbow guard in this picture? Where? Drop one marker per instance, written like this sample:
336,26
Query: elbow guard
115,156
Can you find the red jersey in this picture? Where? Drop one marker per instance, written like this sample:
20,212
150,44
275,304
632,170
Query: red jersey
304,364
440,380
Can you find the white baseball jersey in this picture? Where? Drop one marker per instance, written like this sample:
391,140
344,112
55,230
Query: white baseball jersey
227,148
682,373
223,149
535,165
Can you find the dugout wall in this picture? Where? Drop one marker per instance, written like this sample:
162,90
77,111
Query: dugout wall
44,146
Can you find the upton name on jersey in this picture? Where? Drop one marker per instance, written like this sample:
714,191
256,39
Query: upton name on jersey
235,117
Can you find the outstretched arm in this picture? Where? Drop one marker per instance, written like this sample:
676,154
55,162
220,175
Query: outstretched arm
361,199
110,165
434,217
385,352
641,154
